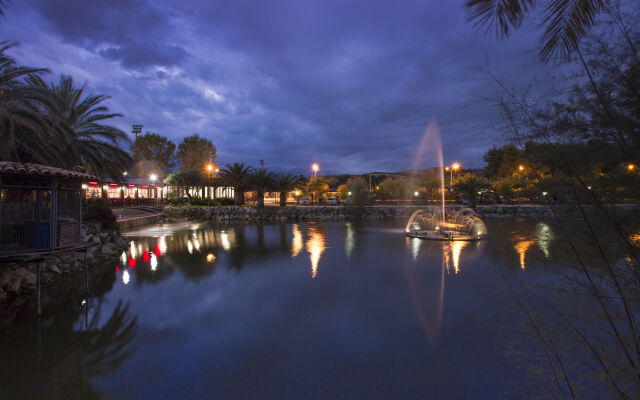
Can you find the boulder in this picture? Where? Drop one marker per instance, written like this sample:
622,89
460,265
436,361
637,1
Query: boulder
27,277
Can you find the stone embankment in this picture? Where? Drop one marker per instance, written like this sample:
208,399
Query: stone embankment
18,281
333,213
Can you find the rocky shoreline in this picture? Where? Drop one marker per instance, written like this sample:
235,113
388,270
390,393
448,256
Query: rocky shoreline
18,281
335,213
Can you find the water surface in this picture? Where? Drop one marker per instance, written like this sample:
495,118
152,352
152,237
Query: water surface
291,311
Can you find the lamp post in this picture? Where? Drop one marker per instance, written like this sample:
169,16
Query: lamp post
315,169
454,167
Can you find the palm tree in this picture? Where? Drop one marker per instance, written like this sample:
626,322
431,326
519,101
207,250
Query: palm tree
94,147
26,135
285,183
238,176
565,21
262,180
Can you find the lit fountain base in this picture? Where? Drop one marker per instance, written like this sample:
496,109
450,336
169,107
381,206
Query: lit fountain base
437,235
459,225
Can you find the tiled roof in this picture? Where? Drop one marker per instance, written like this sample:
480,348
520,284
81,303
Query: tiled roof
16,168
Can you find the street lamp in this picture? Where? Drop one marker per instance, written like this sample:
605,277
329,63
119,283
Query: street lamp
315,169
631,167
454,167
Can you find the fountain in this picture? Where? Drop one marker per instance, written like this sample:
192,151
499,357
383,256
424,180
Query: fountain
438,223
457,224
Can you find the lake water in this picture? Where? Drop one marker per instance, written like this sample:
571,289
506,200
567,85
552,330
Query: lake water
291,311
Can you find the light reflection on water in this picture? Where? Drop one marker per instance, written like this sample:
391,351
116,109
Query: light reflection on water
315,247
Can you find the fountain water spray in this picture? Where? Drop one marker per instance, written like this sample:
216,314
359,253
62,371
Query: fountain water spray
432,140
431,223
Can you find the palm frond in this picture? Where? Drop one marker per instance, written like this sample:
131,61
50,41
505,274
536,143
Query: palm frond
567,21
501,16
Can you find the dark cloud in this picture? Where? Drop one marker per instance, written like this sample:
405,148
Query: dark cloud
352,85
140,55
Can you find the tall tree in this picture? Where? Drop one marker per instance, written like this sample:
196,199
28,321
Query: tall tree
262,180
565,22
238,176
358,191
94,146
153,153
285,183
195,152
318,186
392,188
471,185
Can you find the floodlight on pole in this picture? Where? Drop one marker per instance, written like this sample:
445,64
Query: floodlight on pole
136,129
315,169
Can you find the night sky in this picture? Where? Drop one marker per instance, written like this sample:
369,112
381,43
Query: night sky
349,84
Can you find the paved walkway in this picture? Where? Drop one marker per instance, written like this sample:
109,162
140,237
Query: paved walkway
135,212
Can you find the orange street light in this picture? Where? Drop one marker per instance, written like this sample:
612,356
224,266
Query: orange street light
210,167
455,166
521,167
631,167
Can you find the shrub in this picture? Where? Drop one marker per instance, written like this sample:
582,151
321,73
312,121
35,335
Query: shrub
97,210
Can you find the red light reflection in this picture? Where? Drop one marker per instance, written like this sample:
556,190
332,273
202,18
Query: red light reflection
132,262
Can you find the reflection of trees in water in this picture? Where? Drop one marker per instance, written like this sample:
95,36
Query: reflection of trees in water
52,360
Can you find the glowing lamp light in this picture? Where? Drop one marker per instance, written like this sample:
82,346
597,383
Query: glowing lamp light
631,167
297,193
210,257
217,170
84,187
349,193
455,166
209,167
153,177
521,167
545,193
315,167
416,194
